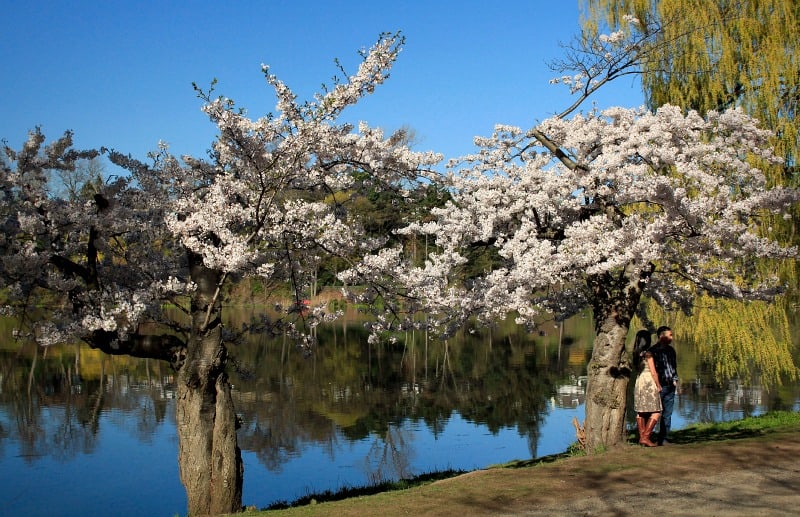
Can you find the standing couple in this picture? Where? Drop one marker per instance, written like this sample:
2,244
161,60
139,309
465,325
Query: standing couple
656,384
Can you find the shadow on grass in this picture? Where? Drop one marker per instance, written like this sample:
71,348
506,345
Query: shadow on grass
749,427
713,434
709,434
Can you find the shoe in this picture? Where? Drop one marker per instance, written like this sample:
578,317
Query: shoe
648,431
640,428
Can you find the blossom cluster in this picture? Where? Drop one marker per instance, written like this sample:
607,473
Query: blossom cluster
271,200
633,189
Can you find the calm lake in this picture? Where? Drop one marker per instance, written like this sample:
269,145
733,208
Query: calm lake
82,433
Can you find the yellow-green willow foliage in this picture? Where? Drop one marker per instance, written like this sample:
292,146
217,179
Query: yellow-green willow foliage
763,344
718,54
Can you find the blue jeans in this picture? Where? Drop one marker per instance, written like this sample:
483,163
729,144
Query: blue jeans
667,404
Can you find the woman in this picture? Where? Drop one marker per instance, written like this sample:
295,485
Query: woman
646,399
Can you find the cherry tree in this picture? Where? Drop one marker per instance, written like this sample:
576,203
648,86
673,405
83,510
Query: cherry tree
595,211
619,204
271,200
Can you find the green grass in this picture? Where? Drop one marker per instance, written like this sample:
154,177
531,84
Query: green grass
748,427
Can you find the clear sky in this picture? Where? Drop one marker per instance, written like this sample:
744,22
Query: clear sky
120,73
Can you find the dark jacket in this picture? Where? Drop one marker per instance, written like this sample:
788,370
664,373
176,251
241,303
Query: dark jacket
666,362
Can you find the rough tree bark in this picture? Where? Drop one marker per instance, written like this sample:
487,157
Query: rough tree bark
614,302
607,384
209,457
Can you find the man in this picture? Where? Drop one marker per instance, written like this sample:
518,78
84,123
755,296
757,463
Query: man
666,363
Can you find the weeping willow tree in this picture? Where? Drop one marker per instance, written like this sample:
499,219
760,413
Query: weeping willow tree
720,54
711,55
758,340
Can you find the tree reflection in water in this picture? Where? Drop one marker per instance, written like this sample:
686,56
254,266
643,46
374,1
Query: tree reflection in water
496,379
374,408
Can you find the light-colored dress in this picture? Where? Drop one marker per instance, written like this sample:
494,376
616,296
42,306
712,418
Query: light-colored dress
645,394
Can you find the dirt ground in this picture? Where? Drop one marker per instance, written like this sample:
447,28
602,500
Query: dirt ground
740,477
749,476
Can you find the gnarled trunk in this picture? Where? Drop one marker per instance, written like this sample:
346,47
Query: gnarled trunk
614,302
209,458
606,386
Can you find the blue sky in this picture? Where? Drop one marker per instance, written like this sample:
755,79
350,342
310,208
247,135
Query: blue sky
119,74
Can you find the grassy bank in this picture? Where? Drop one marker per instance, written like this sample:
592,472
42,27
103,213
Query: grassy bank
434,493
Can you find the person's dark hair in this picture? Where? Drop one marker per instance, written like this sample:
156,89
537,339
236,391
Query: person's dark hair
661,330
640,344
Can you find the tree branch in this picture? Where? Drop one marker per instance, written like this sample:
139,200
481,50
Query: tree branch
164,347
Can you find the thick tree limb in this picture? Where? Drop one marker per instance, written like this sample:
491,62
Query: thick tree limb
164,347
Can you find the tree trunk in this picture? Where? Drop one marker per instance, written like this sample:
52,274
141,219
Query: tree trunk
606,386
209,458
615,298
